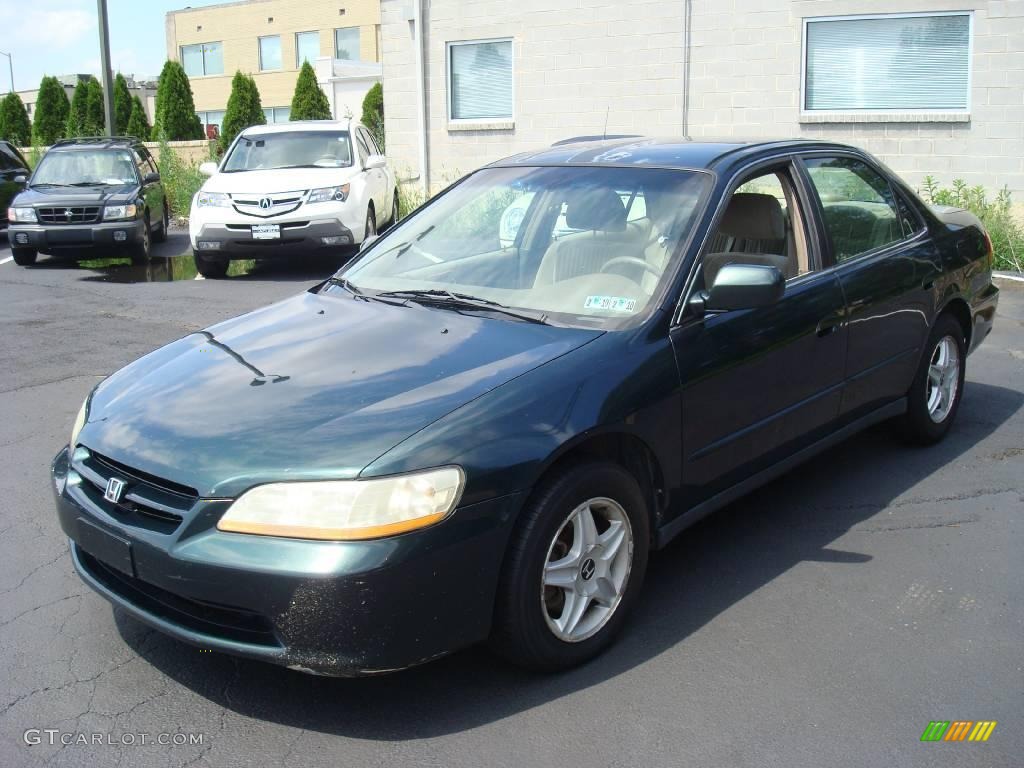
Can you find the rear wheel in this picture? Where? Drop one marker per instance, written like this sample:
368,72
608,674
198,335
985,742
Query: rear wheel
143,250
160,235
934,397
24,257
214,267
574,568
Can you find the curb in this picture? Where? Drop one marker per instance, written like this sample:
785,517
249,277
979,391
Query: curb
1015,276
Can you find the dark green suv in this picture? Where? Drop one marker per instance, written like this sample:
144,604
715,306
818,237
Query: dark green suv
92,192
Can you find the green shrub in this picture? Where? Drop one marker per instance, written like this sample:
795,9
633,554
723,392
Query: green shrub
137,124
14,124
996,214
181,180
175,116
78,111
373,113
308,101
95,121
51,115
243,109
122,105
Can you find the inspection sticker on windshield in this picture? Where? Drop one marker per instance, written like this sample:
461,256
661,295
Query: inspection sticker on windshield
613,303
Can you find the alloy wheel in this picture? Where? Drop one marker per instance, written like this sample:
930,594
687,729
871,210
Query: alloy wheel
587,569
943,379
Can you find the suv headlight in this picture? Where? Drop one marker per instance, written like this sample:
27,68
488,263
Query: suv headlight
212,200
337,510
83,413
22,215
119,212
325,194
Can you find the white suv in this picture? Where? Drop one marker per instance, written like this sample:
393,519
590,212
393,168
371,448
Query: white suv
291,186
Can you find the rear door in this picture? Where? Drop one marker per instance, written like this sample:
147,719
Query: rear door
375,177
11,167
759,384
886,265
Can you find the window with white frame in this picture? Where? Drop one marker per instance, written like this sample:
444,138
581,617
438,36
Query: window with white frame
307,47
892,63
212,117
203,59
346,43
480,80
277,114
270,52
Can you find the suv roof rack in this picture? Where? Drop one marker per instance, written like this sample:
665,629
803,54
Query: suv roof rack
606,137
96,140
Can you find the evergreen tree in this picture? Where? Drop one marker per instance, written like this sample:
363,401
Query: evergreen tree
122,105
244,109
14,124
51,116
309,102
95,121
373,113
175,117
137,124
77,112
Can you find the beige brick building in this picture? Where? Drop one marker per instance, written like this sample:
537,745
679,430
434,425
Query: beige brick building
930,86
270,39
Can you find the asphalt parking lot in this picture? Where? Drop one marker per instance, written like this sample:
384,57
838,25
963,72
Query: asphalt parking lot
824,620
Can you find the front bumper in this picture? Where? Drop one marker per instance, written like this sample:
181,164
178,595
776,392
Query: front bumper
333,608
43,237
236,240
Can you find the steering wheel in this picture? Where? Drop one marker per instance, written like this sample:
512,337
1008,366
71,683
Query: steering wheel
633,261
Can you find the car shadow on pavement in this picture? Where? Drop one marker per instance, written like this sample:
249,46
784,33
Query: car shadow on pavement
704,572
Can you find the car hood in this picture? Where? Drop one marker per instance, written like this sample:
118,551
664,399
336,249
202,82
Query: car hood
270,182
313,387
44,196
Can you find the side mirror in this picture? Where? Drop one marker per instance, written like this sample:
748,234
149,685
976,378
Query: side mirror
151,178
375,161
745,286
366,242
20,178
208,168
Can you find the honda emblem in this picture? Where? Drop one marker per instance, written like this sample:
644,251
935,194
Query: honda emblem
115,487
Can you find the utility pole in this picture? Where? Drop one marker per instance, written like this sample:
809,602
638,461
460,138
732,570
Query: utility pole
10,64
108,81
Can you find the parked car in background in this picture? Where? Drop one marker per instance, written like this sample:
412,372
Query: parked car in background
89,192
455,440
291,187
14,172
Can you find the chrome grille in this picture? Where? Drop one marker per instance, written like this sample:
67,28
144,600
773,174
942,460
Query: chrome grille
71,214
265,206
146,502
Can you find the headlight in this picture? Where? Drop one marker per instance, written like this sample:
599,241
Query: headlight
347,509
83,412
324,194
22,215
119,212
212,200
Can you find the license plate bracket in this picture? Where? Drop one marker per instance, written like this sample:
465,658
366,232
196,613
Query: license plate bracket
105,546
266,231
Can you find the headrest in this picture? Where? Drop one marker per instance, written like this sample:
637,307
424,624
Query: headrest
595,208
753,216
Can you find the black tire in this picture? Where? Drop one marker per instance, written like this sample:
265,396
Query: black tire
24,257
394,209
213,267
370,228
160,236
521,632
920,424
142,251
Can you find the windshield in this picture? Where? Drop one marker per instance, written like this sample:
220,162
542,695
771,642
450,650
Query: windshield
576,244
295,149
85,166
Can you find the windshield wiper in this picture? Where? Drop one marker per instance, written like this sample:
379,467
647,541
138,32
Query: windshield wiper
444,297
90,184
49,184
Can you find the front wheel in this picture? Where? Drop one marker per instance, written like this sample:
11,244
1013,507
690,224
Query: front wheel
143,250
574,568
394,209
24,257
160,235
213,267
934,397
370,228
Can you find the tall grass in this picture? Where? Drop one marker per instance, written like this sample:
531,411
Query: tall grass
181,180
995,213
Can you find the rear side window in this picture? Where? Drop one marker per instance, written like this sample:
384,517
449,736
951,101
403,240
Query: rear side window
859,207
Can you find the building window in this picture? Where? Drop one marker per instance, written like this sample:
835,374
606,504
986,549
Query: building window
214,120
277,114
346,43
270,52
307,47
480,80
893,63
203,59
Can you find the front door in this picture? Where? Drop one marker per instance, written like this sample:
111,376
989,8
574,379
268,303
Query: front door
759,384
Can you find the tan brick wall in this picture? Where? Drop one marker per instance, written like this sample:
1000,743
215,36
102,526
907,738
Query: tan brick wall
239,26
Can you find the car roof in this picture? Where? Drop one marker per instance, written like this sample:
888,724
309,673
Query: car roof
633,151
301,125
96,142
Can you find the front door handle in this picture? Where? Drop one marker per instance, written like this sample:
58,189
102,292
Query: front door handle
828,326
